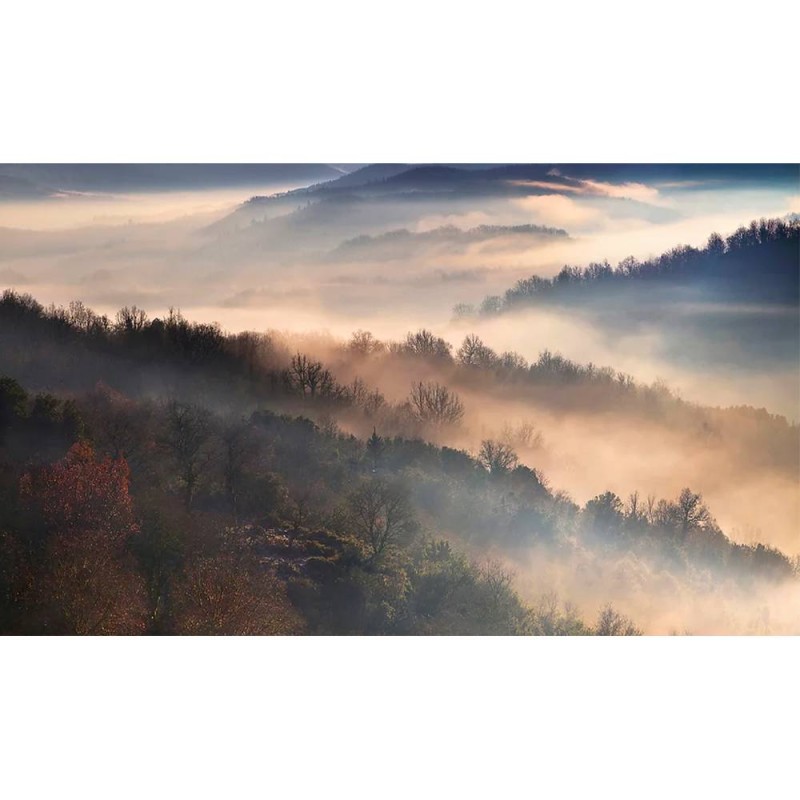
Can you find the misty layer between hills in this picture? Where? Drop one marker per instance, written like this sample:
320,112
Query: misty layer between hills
396,254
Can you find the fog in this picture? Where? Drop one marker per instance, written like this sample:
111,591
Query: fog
746,468
662,602
315,269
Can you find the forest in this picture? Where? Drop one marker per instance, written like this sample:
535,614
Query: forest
757,263
161,476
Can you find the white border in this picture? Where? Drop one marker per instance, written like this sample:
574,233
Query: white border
401,718
357,81
419,82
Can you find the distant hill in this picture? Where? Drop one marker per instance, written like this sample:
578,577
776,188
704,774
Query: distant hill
735,301
757,263
403,243
368,174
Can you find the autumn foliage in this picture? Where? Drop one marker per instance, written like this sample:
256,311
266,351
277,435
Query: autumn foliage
223,595
86,583
83,494
92,570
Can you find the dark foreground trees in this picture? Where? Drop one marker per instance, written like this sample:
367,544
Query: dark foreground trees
293,528
89,547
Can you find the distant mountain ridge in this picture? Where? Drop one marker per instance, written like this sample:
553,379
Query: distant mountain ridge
402,240
500,178
452,231
29,180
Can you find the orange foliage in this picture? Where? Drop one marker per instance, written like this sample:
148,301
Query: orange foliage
82,493
223,595
88,583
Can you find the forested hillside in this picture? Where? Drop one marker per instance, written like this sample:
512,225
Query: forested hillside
161,476
758,263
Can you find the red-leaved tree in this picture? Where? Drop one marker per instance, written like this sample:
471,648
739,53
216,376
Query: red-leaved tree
88,583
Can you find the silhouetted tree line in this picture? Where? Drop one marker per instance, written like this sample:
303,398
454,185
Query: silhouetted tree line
564,385
72,348
760,261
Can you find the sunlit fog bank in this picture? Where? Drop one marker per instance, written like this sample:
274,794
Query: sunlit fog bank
747,467
718,375
663,602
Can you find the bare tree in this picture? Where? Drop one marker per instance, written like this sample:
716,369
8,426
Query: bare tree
612,623
316,377
523,435
665,514
497,457
423,343
131,319
434,404
309,377
461,310
650,509
492,304
374,402
474,353
357,392
498,581
363,343
692,513
299,372
381,515
255,351
225,594
85,319
634,510
510,359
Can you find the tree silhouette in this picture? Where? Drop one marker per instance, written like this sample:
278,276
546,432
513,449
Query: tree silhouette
612,623
497,457
381,515
435,404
